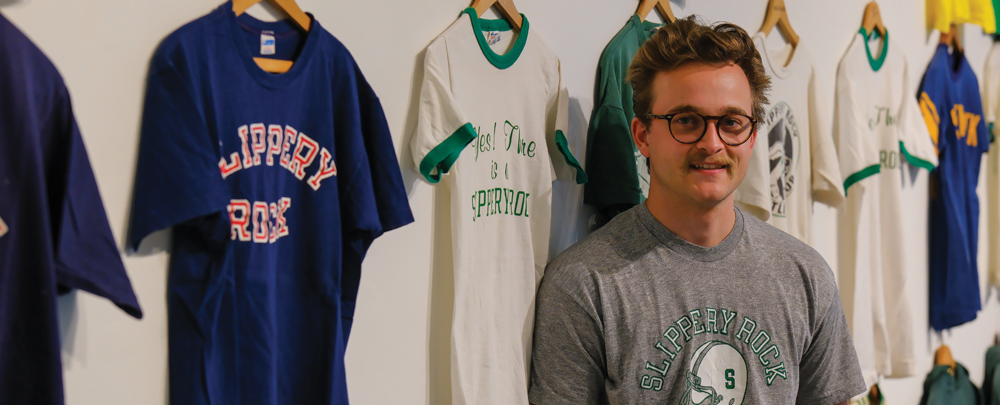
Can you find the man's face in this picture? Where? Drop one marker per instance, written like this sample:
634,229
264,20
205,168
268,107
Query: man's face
706,172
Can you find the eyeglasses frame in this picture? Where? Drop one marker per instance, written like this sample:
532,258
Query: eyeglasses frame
706,118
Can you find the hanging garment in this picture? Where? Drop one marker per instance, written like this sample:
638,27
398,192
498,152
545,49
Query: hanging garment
795,147
275,186
991,110
942,13
497,123
617,175
946,387
877,128
54,233
952,108
991,379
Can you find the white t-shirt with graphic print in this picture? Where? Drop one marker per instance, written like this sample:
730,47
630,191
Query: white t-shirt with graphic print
493,113
793,144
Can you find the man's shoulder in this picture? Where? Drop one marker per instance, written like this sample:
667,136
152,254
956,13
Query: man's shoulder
779,245
604,250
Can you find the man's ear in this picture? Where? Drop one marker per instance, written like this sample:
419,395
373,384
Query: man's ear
753,137
640,136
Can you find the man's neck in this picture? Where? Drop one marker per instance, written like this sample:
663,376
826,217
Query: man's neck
702,226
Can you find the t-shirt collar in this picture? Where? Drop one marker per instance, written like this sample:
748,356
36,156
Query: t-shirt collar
688,249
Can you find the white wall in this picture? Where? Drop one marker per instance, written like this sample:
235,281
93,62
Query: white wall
400,343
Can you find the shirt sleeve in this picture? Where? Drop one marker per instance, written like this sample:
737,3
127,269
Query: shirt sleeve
568,352
391,207
563,160
178,173
829,371
856,153
87,256
612,174
915,141
443,130
827,183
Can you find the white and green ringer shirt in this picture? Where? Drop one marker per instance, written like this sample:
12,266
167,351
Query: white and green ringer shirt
877,127
491,125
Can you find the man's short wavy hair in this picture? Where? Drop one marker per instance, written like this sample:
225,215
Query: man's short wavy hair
688,40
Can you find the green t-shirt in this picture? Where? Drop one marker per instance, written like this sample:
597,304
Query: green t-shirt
617,173
942,387
991,382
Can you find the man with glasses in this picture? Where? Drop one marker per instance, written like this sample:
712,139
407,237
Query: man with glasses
686,299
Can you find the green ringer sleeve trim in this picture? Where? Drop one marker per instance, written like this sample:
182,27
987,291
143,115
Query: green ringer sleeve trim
861,175
445,154
581,176
918,162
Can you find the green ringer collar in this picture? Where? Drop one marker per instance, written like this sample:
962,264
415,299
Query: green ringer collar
876,63
480,25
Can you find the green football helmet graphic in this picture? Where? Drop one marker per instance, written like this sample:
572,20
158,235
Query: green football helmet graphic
718,376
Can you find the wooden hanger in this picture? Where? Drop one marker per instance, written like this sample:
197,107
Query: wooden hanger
873,395
661,6
776,15
942,357
951,39
506,7
872,21
298,17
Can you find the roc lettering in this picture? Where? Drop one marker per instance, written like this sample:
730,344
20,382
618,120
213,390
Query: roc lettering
258,221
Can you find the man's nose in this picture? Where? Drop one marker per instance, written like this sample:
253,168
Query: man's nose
711,142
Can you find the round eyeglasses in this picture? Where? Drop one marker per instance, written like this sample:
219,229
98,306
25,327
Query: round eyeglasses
690,127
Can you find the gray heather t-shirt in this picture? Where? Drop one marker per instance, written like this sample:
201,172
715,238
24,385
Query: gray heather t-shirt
636,315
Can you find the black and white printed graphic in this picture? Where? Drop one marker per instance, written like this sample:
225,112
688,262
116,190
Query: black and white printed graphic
783,150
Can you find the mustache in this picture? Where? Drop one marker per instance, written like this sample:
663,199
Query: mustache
721,160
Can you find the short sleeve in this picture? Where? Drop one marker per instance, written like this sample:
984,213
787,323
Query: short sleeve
754,194
391,205
829,371
563,160
854,150
568,350
927,94
387,182
827,183
442,130
915,141
177,175
87,257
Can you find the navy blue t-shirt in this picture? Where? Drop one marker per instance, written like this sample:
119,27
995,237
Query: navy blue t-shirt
54,233
275,185
952,107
